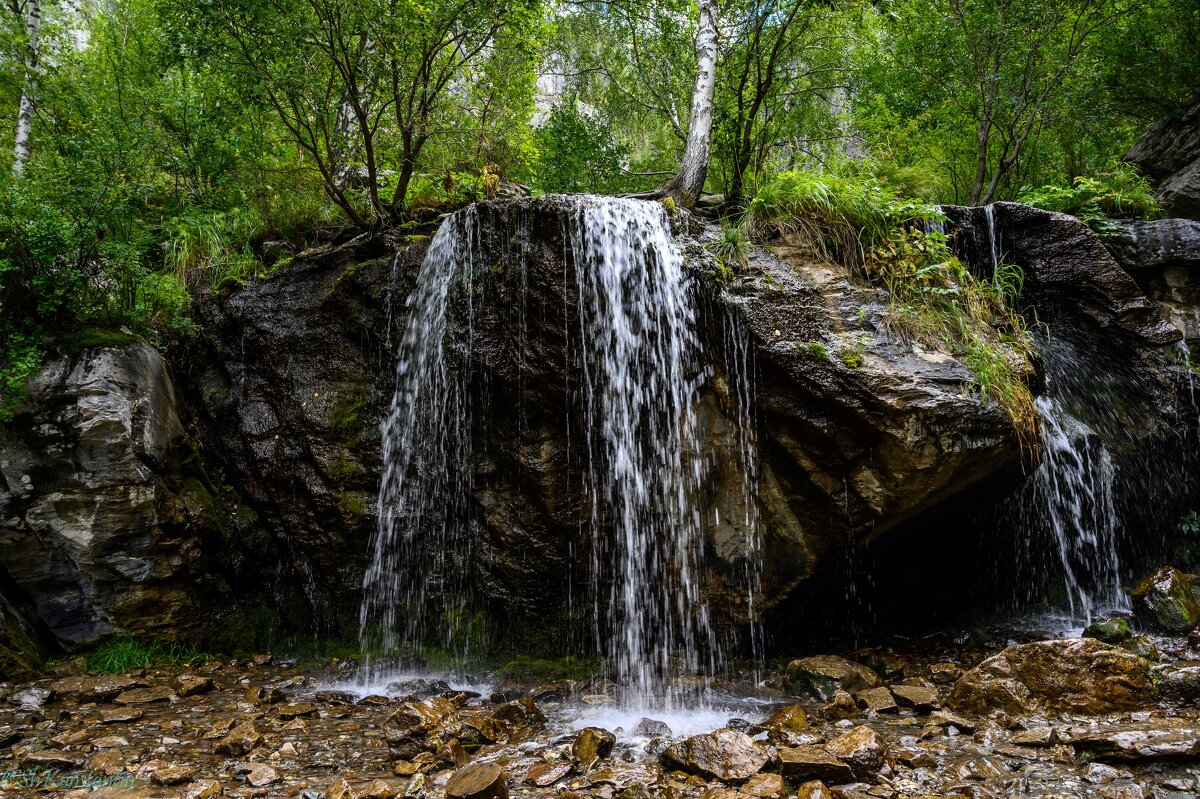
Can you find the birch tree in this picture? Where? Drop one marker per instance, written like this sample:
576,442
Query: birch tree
30,11
688,183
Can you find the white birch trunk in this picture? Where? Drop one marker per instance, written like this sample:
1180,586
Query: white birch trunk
688,183
33,29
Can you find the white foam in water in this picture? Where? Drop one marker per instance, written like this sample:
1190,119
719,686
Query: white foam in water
372,682
682,721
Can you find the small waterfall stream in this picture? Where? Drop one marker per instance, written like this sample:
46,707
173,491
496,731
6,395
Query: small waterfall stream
636,365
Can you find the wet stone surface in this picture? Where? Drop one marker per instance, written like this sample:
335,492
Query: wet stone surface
256,729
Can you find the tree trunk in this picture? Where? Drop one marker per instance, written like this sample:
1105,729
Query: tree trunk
33,29
688,183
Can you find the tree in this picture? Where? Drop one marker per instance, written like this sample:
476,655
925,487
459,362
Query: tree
688,182
30,12
358,78
1001,64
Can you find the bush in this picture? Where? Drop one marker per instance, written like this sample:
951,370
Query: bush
1122,193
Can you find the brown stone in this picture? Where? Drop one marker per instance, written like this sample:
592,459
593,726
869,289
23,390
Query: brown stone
592,744
876,700
543,775
296,710
93,689
202,789
919,698
840,706
241,740
822,675
1151,740
477,781
193,685
764,786
1080,675
173,775
804,763
119,715
813,789
144,696
863,749
725,755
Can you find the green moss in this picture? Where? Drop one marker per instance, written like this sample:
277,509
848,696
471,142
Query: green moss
94,337
852,359
816,350
351,504
529,669
346,416
343,471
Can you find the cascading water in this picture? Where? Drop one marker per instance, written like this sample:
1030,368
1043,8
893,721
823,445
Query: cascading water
989,215
642,372
635,366
1073,491
422,538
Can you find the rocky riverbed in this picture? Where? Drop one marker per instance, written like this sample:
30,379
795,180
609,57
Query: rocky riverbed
1049,718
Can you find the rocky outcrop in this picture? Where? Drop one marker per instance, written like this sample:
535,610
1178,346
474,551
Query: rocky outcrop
1168,152
1072,283
104,512
1163,256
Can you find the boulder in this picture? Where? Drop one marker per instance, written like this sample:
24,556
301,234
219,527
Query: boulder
876,700
1111,631
1071,676
592,744
101,688
1179,681
1168,152
824,675
1150,740
788,719
241,740
1164,600
724,755
1157,244
863,749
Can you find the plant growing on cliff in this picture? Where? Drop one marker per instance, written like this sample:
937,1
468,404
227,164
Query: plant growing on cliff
936,301
1120,193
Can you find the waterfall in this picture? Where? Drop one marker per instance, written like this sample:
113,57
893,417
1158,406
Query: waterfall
1073,488
422,537
642,371
989,215
635,366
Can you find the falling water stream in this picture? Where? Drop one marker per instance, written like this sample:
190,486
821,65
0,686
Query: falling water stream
641,365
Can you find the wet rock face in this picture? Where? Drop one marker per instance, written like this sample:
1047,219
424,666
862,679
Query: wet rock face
104,520
1072,676
294,373
1163,256
1075,284
1168,152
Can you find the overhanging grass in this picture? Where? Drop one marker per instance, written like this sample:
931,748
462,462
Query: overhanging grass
933,299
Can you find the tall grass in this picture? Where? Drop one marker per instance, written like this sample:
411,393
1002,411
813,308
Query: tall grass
853,219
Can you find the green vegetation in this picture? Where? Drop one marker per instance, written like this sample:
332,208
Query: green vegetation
124,653
935,300
817,350
174,150
1188,548
1119,194
531,670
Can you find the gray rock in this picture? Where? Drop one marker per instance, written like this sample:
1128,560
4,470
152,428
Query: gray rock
101,525
1164,600
1169,153
1156,244
1151,740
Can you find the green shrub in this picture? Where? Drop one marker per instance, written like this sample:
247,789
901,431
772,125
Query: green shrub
837,216
935,300
1122,193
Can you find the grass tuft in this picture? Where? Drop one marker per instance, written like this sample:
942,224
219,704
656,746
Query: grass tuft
119,655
